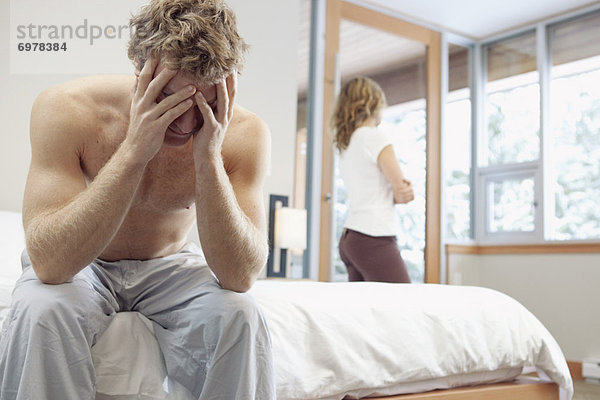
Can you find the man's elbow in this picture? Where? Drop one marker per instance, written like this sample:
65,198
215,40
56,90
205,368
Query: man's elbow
47,272
242,282
49,276
238,285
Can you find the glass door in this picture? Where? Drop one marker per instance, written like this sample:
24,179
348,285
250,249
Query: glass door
399,56
398,65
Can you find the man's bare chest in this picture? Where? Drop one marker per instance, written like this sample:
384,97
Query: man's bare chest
167,183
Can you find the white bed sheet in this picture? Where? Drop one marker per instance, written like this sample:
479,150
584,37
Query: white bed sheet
367,339
332,340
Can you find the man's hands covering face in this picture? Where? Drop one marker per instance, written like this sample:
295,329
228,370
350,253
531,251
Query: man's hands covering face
209,139
149,120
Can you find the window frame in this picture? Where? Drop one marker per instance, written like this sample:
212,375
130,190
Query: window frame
508,172
539,169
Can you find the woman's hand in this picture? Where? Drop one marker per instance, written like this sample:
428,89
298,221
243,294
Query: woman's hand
404,193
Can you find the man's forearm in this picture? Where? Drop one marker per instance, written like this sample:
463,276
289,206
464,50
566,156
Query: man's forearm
63,241
234,247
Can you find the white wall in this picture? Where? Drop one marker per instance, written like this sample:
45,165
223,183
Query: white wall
267,86
560,289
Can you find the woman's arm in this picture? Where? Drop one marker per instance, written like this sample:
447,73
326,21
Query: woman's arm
403,191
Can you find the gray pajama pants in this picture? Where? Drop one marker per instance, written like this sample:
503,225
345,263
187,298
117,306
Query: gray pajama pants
215,342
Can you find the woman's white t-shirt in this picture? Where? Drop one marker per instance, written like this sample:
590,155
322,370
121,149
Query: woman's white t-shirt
371,210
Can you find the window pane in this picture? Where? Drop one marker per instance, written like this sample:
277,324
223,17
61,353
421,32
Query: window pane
457,147
406,127
511,57
297,267
575,40
575,128
512,109
511,205
339,273
457,168
513,123
458,67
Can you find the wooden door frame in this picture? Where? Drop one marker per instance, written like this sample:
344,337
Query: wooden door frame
337,10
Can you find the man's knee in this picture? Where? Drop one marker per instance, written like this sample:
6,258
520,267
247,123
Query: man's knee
239,313
49,306
241,307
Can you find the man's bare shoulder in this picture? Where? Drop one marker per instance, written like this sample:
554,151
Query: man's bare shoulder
247,144
80,102
73,111
246,125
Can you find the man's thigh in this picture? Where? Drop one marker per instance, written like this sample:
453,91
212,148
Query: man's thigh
199,324
162,286
84,300
46,340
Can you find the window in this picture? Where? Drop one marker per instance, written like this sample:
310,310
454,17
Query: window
538,156
511,205
511,200
405,124
509,156
575,129
512,106
457,145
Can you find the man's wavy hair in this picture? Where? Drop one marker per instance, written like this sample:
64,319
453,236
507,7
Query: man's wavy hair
198,37
359,99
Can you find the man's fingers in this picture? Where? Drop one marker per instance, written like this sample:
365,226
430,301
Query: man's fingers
231,83
171,101
231,92
205,109
222,101
146,76
158,84
175,112
134,86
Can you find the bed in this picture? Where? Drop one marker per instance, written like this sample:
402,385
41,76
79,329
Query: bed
351,340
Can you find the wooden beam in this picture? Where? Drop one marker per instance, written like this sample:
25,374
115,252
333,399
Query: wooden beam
433,213
388,23
523,388
576,370
332,44
540,248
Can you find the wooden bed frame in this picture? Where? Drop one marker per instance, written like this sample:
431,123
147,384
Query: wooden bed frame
523,388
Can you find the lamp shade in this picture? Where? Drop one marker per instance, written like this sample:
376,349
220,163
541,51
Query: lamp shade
290,228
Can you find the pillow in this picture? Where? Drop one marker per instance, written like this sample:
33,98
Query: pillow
12,243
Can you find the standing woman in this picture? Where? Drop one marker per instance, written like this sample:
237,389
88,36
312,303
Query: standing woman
374,183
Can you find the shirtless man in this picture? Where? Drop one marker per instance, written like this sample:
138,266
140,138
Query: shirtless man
122,167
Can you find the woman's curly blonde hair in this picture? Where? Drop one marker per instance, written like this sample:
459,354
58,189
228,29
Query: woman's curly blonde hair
359,99
198,37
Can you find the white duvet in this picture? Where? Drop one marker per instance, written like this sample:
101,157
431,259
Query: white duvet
331,340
